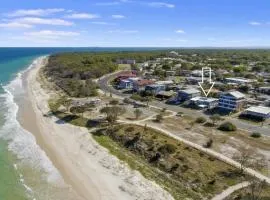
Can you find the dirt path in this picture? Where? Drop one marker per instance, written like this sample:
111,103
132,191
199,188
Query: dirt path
230,190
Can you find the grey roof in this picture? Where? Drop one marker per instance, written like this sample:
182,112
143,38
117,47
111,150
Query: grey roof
204,99
237,95
259,109
191,91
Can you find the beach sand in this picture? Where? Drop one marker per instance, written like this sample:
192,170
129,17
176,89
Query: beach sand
89,168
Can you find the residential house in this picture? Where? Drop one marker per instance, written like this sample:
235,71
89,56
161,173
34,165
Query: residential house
140,84
155,88
184,95
204,102
231,101
264,90
126,75
260,112
125,84
239,81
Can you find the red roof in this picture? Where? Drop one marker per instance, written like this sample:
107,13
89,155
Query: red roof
127,74
144,82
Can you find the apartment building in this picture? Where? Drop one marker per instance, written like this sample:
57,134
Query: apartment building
232,101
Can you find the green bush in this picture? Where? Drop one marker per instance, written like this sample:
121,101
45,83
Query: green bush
200,120
255,135
227,126
167,149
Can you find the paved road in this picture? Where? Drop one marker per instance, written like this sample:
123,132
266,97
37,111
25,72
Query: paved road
103,83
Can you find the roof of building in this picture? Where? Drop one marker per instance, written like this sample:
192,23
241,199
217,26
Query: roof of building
166,93
244,80
259,109
190,91
204,99
143,82
126,81
236,94
164,82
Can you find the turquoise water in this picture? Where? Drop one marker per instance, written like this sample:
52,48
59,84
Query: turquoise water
25,170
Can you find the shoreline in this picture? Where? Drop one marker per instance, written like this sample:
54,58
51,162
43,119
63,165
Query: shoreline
89,168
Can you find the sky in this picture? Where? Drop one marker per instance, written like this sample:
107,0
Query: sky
135,23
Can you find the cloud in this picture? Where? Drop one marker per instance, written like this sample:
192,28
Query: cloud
82,16
43,21
160,5
49,34
118,16
254,23
124,31
15,25
102,23
35,12
113,3
180,31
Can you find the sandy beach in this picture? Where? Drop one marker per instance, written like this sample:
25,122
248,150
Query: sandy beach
86,166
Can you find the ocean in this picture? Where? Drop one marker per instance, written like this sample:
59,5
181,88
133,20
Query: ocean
25,170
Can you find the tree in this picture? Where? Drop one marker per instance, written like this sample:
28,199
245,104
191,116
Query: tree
245,156
137,113
227,126
77,110
112,113
67,103
159,118
215,118
255,188
114,102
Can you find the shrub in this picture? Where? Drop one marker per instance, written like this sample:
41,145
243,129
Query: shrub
130,129
167,149
200,120
114,102
159,118
256,135
227,126
209,143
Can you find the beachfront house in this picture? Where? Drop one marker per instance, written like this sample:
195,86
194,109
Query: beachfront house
184,95
204,102
231,101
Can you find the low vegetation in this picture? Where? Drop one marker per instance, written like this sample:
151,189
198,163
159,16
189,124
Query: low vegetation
227,126
201,120
183,171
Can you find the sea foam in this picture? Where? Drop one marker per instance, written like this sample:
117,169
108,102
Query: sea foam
21,142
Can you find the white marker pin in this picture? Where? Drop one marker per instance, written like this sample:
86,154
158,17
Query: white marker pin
205,91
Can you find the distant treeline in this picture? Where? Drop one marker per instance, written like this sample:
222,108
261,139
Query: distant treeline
73,72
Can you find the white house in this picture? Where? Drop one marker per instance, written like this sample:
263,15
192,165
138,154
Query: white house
258,111
204,102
